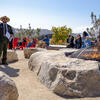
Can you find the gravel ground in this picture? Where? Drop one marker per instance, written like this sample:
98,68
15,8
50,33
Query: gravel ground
28,85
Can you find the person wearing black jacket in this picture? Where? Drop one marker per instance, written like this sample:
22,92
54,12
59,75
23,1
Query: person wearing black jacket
70,42
78,42
6,33
11,43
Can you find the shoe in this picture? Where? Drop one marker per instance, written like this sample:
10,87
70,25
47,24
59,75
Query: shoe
4,63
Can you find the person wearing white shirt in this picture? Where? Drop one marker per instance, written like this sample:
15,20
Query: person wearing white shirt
5,34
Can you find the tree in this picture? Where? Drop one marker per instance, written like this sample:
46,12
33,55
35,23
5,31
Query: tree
18,35
91,31
38,32
61,33
22,33
92,17
29,33
94,31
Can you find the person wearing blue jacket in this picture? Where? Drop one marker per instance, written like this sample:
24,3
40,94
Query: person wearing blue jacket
46,40
87,42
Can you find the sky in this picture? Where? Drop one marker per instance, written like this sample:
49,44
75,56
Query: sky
45,14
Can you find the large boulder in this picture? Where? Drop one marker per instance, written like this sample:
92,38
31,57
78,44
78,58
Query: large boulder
29,51
66,76
8,90
11,56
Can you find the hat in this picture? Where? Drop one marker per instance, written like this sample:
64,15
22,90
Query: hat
8,19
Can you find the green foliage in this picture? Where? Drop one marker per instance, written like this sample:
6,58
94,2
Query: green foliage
22,33
19,35
96,23
38,32
88,30
61,33
29,33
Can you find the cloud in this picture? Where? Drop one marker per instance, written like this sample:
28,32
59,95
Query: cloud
80,29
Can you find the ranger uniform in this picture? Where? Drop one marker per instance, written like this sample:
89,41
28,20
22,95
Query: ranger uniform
5,34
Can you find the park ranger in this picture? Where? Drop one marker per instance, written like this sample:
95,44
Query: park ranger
6,33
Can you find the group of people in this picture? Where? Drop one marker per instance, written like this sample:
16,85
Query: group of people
25,42
32,43
79,42
44,42
6,37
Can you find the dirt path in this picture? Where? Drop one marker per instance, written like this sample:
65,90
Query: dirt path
28,85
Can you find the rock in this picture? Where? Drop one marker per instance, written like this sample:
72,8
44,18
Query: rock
54,48
8,90
11,56
66,76
68,50
29,51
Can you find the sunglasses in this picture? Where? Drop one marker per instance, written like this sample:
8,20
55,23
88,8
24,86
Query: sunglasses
5,19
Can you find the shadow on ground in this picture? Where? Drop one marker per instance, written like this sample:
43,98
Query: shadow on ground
68,53
11,72
77,97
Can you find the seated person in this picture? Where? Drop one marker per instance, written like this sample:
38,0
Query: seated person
44,45
46,40
95,42
40,43
85,34
19,43
86,43
32,43
98,40
70,42
24,41
78,42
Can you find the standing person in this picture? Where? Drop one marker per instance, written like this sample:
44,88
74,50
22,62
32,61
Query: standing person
6,33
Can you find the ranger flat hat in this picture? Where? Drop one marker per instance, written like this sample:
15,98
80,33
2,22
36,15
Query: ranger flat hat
7,18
